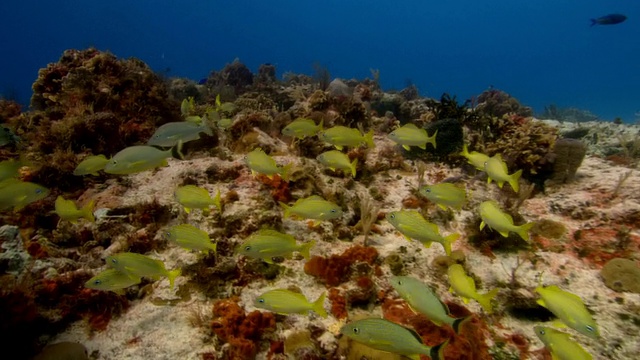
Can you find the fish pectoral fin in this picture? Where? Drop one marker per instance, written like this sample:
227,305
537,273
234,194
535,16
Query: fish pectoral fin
504,233
559,324
482,225
406,147
541,303
427,244
423,146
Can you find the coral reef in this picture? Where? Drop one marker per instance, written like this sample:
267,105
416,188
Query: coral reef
336,269
243,332
568,155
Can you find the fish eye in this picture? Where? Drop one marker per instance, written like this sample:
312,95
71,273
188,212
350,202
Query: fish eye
334,211
541,331
38,191
261,301
590,328
97,282
427,190
356,330
247,248
114,261
392,216
399,282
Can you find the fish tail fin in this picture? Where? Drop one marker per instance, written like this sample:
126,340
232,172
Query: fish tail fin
176,151
594,22
172,275
285,171
368,139
432,139
87,211
437,352
217,201
448,240
465,151
354,164
318,306
207,125
485,300
523,230
304,249
287,210
457,323
513,180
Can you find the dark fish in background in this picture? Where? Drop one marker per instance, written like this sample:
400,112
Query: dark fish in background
610,19
202,81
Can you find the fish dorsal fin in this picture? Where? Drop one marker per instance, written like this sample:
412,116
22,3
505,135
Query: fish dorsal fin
411,126
313,197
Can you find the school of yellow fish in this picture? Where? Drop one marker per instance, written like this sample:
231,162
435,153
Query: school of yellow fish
127,269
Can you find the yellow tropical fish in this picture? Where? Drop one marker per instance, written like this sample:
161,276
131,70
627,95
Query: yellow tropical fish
341,136
474,158
190,237
138,265
569,308
91,165
10,168
561,345
68,211
112,280
285,302
387,336
413,226
500,221
422,299
335,159
301,128
261,163
187,106
136,159
266,244
170,134
410,135
17,194
193,197
313,207
497,171
445,194
465,287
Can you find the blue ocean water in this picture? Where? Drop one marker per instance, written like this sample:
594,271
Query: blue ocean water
541,52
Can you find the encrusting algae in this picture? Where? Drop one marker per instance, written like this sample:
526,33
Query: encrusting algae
135,196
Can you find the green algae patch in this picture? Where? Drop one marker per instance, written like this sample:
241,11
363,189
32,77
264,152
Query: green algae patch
621,275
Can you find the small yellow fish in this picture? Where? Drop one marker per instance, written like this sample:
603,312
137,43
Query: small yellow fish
341,136
17,194
561,345
413,226
136,159
301,128
68,211
266,244
445,194
65,350
569,308
474,158
138,265
334,159
387,336
170,134
112,280
261,163
193,197
496,168
465,287
423,299
410,135
91,165
313,207
187,106
285,302
500,221
190,237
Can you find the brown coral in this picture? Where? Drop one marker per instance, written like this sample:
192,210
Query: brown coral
241,331
337,269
